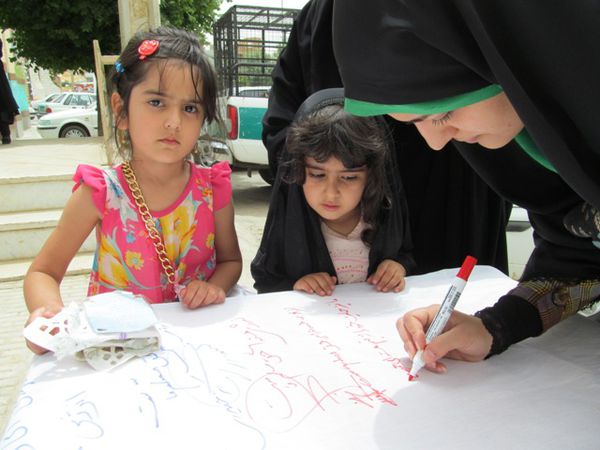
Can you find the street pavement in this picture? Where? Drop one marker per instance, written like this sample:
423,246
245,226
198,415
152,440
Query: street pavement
250,196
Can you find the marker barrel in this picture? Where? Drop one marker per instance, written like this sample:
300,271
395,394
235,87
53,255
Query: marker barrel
446,308
443,315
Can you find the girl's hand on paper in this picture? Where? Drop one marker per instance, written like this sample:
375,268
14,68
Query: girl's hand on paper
389,276
201,293
316,283
464,338
43,311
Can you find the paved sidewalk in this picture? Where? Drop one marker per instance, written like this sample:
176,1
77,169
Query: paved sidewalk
48,157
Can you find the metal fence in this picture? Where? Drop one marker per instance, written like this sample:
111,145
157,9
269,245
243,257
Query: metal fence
247,43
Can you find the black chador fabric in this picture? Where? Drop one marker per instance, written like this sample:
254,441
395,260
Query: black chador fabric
452,212
543,54
305,66
293,246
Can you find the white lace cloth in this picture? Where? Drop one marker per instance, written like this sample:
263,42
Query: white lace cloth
105,330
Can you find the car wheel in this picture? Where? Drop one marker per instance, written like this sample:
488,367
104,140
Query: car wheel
204,154
267,176
73,131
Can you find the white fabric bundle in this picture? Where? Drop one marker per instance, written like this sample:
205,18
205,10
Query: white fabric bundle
105,330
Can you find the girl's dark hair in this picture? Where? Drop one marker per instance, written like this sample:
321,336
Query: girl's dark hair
174,44
355,141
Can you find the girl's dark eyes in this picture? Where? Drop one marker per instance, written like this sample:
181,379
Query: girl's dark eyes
192,109
321,175
442,120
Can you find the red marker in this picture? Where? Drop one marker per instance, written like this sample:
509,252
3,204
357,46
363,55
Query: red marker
445,311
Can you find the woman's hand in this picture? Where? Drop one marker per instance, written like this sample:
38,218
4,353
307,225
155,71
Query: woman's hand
465,338
389,276
43,311
201,293
316,283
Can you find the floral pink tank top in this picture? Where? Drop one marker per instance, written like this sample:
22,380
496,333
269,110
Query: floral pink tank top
125,256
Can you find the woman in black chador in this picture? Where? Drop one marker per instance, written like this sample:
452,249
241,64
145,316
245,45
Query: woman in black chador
452,212
8,106
518,78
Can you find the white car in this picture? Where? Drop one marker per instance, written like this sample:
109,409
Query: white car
67,100
70,123
34,106
243,115
519,239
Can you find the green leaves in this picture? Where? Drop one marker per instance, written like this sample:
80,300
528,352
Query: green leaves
57,34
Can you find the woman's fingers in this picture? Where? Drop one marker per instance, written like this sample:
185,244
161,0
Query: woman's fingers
465,338
412,327
406,337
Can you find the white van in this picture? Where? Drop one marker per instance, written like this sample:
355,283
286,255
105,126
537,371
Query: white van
242,145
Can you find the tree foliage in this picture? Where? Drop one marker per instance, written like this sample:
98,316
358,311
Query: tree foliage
57,34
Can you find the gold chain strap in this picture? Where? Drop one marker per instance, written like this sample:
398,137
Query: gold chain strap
144,211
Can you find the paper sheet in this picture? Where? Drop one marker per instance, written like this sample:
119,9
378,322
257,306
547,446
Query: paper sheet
296,371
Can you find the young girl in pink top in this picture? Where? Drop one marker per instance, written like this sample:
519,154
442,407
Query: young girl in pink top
155,215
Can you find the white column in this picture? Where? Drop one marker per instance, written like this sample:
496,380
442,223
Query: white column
137,15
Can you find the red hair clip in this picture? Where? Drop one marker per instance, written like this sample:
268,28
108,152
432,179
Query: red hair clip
148,48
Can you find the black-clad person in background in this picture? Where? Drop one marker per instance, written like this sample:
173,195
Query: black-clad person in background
8,105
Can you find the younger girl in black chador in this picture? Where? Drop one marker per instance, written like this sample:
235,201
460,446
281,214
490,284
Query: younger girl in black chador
337,215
